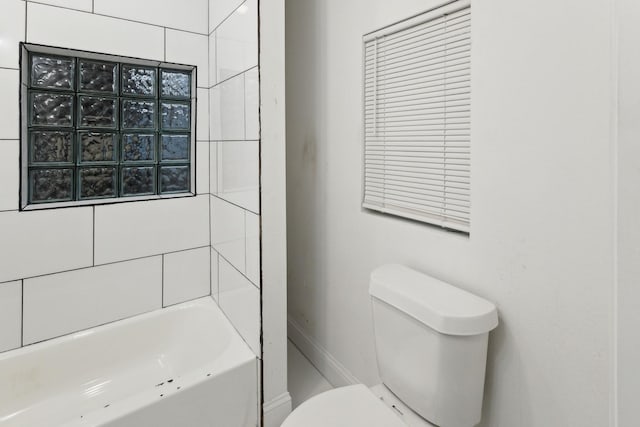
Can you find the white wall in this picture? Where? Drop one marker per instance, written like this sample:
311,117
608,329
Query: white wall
628,203
68,269
541,243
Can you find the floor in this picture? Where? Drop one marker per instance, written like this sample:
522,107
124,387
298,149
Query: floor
304,379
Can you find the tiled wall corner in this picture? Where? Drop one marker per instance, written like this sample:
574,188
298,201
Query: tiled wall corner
10,315
219,10
59,304
186,275
228,232
237,41
240,300
234,167
239,173
191,49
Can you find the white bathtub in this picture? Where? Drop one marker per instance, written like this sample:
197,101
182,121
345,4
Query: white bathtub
181,366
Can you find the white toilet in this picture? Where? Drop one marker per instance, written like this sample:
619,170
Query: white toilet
431,344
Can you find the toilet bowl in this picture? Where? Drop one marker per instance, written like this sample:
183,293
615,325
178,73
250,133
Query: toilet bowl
431,346
355,406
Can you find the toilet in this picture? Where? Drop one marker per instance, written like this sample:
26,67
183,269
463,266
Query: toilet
431,345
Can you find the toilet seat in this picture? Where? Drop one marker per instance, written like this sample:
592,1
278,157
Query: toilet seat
351,406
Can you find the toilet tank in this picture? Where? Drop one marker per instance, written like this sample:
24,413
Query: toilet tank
431,344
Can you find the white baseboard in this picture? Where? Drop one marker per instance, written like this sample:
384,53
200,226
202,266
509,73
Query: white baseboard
277,410
329,366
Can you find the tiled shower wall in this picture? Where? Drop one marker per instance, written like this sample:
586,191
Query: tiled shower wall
234,134
64,270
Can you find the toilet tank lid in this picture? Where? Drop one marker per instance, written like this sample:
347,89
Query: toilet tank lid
439,305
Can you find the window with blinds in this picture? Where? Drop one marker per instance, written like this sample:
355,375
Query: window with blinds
417,108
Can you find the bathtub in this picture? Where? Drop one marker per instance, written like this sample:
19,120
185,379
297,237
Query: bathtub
180,366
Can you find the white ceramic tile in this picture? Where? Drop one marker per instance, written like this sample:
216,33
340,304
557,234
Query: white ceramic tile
237,41
240,301
78,30
219,10
85,5
9,175
238,173
43,242
186,275
215,113
9,109
213,166
253,247
11,32
10,315
190,49
251,104
228,232
202,118
133,230
202,167
62,303
189,15
231,109
214,274
213,71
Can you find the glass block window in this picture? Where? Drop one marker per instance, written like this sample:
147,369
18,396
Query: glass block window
98,127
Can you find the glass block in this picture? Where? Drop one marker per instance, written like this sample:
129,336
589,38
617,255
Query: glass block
51,109
97,183
51,147
98,76
97,146
176,116
138,147
174,179
138,80
176,84
138,181
97,112
51,185
138,114
175,147
52,72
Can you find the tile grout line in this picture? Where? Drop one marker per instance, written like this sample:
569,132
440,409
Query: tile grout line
22,312
162,285
226,17
238,74
234,204
93,260
236,268
106,264
117,17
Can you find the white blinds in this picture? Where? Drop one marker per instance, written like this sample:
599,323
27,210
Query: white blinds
417,98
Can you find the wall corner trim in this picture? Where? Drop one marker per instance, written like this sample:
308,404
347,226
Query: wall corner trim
276,410
334,371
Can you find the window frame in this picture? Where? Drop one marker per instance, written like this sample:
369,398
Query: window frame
26,52
425,216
